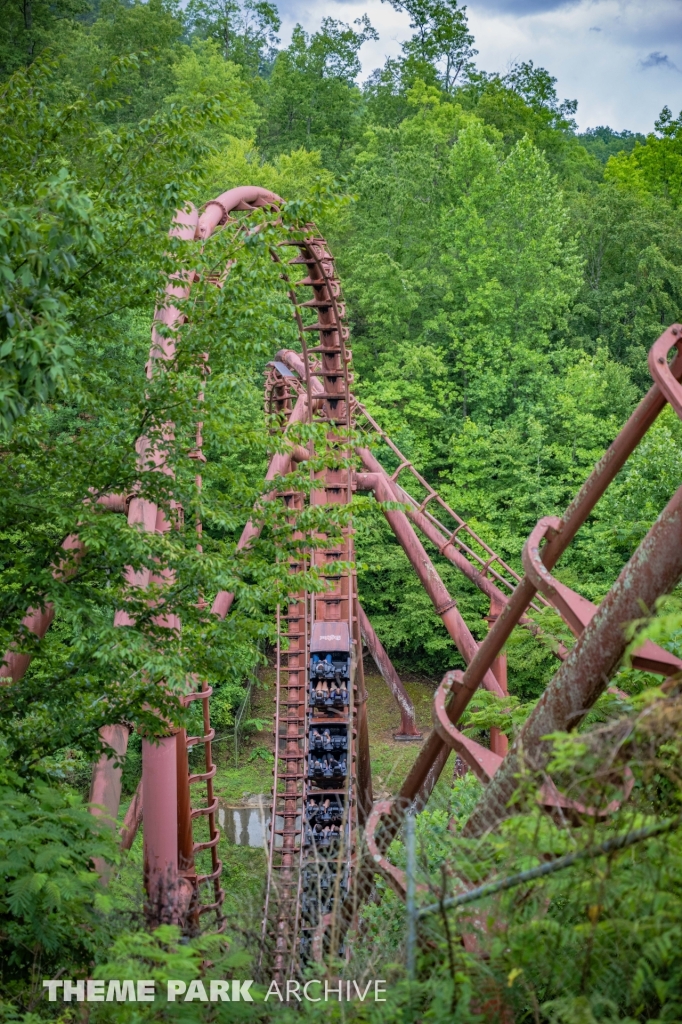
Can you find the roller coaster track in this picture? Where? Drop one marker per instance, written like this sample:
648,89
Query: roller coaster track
326,840
321,789
455,540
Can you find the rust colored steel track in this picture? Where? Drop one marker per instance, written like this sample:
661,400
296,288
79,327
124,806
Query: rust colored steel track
322,793
321,799
511,596
653,570
305,923
322,787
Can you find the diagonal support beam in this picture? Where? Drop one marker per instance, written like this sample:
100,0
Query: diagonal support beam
408,723
431,759
105,783
654,569
133,819
448,550
444,605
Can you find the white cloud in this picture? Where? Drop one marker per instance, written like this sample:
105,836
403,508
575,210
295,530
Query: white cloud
618,58
610,71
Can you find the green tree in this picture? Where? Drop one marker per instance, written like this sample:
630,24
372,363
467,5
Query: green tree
655,166
312,99
603,142
440,54
89,208
512,272
201,71
246,33
28,26
147,32
524,102
469,277
632,288
441,48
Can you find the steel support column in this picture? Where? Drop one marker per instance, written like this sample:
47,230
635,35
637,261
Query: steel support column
133,819
444,605
105,786
279,466
424,773
408,725
653,570
498,741
364,768
38,620
168,895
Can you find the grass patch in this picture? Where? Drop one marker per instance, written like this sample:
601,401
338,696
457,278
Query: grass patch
391,760
244,868
234,785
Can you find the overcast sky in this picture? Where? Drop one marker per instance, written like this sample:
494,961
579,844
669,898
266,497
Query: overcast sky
621,59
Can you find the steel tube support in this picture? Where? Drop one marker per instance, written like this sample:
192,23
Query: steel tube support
498,741
133,819
408,723
364,767
444,605
38,620
653,570
105,785
106,780
422,777
410,896
185,838
168,895
448,550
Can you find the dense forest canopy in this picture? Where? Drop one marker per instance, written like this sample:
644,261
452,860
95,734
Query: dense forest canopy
505,277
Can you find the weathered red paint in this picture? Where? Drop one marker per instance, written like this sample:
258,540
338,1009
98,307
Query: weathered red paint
132,819
499,744
444,606
654,569
447,548
38,620
168,894
408,726
665,376
483,762
279,466
577,611
424,775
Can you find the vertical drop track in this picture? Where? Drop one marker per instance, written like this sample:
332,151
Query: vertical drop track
322,788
